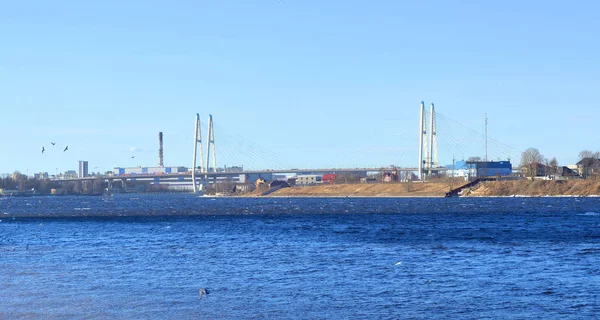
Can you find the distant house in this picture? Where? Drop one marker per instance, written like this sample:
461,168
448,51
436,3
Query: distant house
588,167
567,172
539,170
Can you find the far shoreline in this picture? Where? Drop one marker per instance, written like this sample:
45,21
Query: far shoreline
435,189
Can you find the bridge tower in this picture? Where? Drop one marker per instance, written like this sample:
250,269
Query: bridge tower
433,156
422,141
211,142
197,142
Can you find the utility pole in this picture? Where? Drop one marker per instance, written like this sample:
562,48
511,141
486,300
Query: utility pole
453,173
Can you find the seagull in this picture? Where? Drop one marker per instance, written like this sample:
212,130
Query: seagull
53,143
43,149
203,291
66,148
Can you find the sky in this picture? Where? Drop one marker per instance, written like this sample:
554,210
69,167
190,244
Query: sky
294,84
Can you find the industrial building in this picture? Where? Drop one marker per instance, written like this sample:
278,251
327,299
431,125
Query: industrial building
252,177
41,175
147,171
308,179
329,177
70,174
492,168
477,169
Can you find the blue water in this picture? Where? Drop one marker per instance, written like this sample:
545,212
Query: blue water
146,257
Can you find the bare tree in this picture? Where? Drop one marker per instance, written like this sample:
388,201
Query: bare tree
553,166
586,154
474,159
530,159
6,180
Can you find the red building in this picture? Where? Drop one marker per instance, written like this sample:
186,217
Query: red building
329,178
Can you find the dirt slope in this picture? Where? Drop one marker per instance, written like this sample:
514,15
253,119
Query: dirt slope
439,189
537,188
414,189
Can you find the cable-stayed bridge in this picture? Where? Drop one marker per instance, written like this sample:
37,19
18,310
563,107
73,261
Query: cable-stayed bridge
438,136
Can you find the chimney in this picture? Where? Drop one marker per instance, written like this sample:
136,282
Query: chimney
160,150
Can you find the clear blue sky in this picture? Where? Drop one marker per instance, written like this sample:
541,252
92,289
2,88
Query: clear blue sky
315,83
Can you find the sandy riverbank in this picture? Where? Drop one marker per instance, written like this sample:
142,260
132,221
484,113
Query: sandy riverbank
439,189
538,188
367,190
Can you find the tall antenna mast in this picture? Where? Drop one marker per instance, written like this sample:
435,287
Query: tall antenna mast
486,139
197,141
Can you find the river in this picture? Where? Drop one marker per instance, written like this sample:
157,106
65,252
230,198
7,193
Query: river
148,257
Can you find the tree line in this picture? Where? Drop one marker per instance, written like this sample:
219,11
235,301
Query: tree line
21,182
532,160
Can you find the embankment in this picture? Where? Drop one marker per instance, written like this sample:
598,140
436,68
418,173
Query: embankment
414,189
537,188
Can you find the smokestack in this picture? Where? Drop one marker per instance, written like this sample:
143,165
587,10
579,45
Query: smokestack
160,150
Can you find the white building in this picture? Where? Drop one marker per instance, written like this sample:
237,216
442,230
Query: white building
83,169
306,179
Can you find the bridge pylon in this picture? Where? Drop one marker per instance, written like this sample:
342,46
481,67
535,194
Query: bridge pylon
422,140
211,143
428,152
197,142
433,156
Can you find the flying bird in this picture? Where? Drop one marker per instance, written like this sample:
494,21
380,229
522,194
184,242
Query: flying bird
43,149
132,157
66,148
53,143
